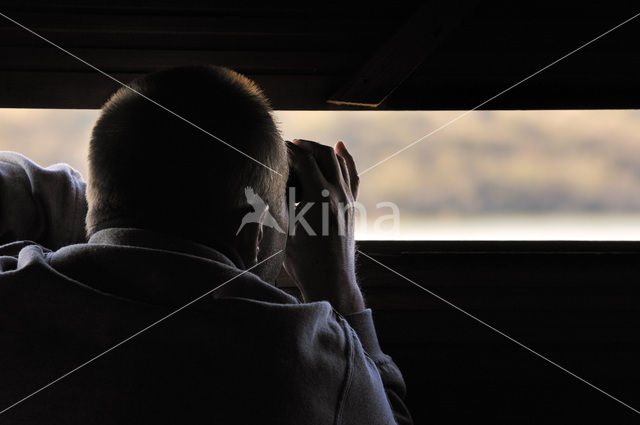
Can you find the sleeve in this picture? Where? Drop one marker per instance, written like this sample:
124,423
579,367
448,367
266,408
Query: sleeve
44,205
373,361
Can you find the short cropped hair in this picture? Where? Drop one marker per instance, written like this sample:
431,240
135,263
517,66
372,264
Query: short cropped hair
150,169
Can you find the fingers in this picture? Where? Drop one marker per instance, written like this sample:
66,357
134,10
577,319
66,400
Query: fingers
326,158
307,172
354,179
318,164
343,169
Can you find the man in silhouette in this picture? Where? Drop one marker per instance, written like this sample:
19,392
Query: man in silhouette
165,311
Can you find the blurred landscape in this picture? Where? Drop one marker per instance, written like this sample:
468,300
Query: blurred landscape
490,175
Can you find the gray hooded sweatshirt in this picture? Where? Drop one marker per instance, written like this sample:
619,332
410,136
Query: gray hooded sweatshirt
112,312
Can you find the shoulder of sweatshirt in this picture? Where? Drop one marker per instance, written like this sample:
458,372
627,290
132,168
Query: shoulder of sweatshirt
48,205
245,304
36,269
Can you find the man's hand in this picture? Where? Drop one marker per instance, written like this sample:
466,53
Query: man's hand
322,262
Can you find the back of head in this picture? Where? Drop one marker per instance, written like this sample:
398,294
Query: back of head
151,169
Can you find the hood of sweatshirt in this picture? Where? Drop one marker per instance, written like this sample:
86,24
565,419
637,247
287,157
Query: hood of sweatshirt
139,297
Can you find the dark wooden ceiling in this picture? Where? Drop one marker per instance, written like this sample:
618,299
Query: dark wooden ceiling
400,55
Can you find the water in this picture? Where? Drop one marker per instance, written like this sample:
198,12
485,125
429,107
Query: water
578,227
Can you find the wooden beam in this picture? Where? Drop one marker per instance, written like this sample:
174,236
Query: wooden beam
89,90
400,55
48,58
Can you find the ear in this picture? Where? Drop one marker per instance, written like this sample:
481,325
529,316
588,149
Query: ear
247,241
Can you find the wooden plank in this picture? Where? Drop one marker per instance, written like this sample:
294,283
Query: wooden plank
312,42
50,89
172,25
89,90
185,7
396,59
545,299
451,247
48,58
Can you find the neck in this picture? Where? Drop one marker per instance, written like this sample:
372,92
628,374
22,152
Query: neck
151,238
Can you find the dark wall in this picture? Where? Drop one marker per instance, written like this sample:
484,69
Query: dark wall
418,56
